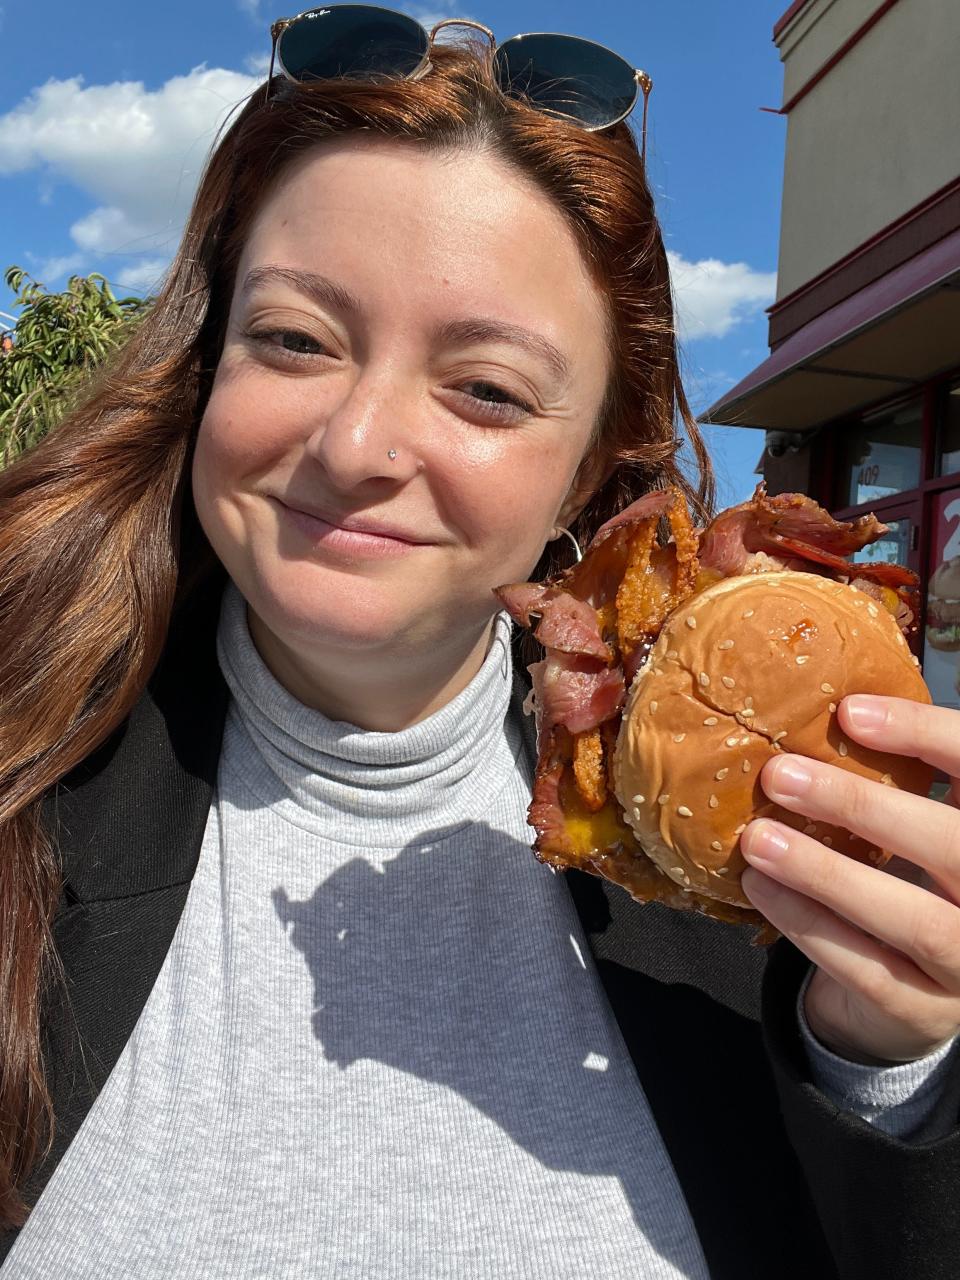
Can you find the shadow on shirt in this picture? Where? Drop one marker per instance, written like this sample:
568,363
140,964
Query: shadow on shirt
443,965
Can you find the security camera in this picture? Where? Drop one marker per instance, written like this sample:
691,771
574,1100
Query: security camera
780,442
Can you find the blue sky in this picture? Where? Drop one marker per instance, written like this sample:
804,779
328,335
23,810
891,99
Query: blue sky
107,110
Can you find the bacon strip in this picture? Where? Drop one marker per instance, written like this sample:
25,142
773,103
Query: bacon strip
566,623
789,522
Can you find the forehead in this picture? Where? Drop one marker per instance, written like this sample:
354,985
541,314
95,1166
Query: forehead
400,221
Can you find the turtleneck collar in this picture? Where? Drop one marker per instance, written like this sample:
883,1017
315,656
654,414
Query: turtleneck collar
441,772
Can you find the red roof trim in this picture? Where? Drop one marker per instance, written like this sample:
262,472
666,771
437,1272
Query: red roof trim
883,296
912,232
840,54
788,16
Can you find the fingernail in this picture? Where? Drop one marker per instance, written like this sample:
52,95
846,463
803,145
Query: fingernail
865,713
764,842
791,778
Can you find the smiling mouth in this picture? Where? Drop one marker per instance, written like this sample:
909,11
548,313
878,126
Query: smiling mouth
348,533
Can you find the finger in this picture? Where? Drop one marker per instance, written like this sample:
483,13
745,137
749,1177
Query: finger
846,953
905,728
922,830
918,924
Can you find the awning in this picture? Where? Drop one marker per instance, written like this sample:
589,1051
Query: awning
896,332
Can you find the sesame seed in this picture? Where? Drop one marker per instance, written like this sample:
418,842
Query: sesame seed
827,688
639,800
684,812
748,713
679,737
686,880
704,679
832,708
732,742
810,829
777,737
748,701
710,720
721,774
745,766
827,840
873,610
915,660
671,653
723,871
725,644
653,705
803,657
745,741
715,844
664,798
714,802
692,623
636,814
748,614
843,749
676,871
728,682
855,631
738,831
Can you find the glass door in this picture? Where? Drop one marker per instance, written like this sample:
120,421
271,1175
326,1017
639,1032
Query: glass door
941,631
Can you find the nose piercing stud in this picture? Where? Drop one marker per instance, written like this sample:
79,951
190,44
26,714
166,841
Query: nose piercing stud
392,455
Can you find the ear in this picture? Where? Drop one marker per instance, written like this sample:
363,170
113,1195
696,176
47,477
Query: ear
592,474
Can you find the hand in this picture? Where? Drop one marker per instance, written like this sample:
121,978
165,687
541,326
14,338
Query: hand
887,946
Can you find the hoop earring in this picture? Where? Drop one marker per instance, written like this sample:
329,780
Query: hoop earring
558,529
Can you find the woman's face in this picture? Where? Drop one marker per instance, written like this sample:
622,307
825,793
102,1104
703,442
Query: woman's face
414,362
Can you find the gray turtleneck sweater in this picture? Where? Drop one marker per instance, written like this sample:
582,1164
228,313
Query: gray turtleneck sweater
377,1046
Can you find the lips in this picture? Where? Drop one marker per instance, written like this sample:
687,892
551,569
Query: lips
364,523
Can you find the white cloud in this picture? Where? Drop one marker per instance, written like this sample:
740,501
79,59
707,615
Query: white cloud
713,296
50,270
143,277
136,152
250,7
258,64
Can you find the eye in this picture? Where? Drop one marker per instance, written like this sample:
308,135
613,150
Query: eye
495,400
292,344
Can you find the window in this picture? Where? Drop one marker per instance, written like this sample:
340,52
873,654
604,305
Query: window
949,417
883,454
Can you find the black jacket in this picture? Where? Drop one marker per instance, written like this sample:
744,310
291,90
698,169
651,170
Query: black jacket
779,1182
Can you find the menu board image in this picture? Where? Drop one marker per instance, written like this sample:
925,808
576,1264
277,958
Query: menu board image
941,639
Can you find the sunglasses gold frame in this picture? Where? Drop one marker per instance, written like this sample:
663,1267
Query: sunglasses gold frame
641,79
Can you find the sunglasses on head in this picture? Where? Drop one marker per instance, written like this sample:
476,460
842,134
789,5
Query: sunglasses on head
567,77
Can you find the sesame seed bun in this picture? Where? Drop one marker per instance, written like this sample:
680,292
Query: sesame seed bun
751,667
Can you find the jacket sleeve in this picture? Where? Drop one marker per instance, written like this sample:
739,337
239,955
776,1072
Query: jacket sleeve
889,1207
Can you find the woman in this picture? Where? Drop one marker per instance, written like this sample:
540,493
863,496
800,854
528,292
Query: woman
280,975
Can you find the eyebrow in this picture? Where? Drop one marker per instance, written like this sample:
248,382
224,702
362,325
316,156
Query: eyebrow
475,329
471,329
323,291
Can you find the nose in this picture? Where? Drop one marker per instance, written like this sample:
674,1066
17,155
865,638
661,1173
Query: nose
366,434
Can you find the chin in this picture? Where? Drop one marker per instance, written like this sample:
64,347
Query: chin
307,607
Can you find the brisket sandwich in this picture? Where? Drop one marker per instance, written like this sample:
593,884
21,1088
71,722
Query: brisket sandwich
676,666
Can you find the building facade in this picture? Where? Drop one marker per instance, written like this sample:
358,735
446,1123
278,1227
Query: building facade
860,396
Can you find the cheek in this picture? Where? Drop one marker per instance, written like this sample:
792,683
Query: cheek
504,492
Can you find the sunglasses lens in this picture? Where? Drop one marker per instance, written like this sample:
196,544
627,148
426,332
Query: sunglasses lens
567,76
355,40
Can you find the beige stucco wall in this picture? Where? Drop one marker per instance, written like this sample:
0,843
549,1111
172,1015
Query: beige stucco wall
876,136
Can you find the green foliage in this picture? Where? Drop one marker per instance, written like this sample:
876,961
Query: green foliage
59,339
